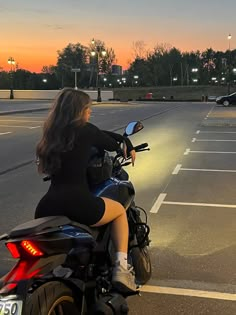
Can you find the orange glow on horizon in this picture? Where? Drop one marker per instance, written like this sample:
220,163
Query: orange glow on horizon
33,58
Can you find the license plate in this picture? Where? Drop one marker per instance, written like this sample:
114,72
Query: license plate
10,307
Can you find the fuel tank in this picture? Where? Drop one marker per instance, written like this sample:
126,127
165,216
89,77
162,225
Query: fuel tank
119,190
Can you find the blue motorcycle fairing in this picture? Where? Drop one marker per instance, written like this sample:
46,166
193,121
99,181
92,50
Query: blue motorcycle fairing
118,190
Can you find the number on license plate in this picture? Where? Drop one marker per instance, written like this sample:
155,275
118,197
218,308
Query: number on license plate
10,307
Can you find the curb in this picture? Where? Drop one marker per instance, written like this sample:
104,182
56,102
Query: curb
23,111
47,108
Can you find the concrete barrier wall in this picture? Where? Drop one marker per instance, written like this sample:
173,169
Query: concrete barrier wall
175,92
50,94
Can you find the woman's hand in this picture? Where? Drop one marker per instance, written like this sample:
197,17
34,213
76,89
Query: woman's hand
132,153
133,156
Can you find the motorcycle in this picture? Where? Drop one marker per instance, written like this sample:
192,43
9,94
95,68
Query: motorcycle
65,267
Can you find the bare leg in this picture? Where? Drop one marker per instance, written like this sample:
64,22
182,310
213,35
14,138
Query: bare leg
119,233
115,213
122,276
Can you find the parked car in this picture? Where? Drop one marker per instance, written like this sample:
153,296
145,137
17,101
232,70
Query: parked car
227,100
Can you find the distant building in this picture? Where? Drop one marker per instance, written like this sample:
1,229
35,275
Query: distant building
116,70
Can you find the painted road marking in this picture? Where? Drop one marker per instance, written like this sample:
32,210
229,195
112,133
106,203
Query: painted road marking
199,204
199,131
13,126
187,151
189,292
5,133
216,140
179,168
161,201
158,203
34,127
20,120
216,152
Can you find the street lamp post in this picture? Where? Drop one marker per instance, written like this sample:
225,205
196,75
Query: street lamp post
12,62
100,53
229,64
76,71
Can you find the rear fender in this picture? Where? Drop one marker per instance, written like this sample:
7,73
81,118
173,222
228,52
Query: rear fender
22,275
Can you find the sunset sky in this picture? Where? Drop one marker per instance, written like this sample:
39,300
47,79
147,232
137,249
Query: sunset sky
33,31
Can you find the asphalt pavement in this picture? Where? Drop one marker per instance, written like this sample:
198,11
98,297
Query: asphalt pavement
186,183
8,107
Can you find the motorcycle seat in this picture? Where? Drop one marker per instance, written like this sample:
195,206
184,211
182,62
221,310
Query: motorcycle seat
45,223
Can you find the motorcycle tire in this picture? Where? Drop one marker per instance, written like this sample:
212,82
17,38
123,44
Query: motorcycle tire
142,264
52,298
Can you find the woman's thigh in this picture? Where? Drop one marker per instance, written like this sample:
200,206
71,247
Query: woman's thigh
113,210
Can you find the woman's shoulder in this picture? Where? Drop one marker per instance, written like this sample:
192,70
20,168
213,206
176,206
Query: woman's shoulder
88,129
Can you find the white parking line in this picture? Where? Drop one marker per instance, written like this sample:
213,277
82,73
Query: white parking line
19,120
198,204
214,140
13,126
5,133
161,201
187,151
158,203
188,292
35,127
210,152
179,168
199,131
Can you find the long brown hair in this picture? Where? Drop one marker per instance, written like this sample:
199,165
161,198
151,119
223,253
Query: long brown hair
60,128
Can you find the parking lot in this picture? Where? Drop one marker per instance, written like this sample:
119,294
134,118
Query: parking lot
199,203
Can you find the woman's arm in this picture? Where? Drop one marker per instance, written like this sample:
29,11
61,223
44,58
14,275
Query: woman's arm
130,149
120,139
102,140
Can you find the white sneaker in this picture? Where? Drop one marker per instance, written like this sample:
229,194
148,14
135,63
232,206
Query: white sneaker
123,279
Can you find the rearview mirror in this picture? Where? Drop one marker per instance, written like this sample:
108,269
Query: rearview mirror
133,127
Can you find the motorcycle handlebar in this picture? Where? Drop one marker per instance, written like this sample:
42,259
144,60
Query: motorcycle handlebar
140,147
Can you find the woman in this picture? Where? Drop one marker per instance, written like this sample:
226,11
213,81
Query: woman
63,153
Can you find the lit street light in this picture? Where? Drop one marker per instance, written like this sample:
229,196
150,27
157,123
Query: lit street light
12,62
136,77
100,53
229,64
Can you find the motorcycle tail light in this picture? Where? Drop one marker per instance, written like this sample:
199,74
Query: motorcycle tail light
31,248
12,247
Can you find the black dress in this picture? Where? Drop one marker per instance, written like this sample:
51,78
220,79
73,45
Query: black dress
69,193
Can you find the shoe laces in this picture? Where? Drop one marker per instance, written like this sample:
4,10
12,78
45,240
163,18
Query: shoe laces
130,268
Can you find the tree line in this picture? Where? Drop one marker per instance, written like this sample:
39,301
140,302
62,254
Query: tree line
164,65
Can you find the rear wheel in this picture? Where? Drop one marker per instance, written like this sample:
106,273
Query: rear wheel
226,103
52,298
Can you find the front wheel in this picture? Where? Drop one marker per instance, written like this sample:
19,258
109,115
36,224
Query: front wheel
52,298
142,264
226,103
